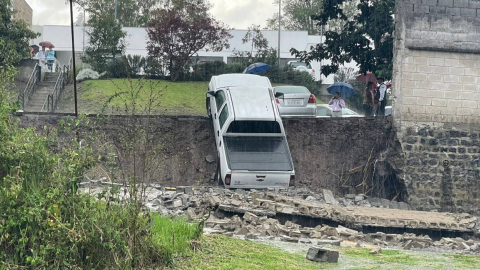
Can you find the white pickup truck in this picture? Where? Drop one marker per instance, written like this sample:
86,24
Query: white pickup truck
253,152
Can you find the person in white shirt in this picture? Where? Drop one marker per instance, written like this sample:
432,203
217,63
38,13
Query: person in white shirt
337,104
42,57
382,101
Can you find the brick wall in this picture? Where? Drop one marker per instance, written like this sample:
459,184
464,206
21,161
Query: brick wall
23,11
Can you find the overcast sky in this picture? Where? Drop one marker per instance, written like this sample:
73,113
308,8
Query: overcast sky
237,14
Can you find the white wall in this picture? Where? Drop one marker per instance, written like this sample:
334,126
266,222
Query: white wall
60,36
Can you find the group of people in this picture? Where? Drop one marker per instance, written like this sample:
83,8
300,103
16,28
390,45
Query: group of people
375,98
46,58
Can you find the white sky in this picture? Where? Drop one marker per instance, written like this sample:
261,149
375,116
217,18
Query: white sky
238,14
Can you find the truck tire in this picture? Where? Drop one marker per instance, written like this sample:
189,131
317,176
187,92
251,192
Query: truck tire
209,111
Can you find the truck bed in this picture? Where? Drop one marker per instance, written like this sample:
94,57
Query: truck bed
258,153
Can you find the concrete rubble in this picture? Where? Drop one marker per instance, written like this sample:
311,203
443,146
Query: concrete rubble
301,216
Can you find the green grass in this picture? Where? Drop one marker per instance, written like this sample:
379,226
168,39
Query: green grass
173,236
179,98
222,253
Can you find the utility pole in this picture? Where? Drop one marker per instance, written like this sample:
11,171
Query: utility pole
279,28
116,10
73,58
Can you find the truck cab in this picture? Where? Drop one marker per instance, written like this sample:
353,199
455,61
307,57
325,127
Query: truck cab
250,138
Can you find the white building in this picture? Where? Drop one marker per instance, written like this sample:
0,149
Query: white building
60,36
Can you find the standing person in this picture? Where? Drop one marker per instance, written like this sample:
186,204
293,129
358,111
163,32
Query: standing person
42,57
337,104
368,99
50,58
382,93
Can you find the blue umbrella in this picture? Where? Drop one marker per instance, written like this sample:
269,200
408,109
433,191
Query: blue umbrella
256,68
345,89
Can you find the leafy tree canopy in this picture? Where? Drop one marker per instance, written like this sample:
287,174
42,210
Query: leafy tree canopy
366,38
180,29
297,16
14,36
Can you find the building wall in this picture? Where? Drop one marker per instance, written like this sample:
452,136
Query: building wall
23,11
436,104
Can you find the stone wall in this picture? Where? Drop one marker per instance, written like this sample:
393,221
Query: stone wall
324,151
437,101
23,11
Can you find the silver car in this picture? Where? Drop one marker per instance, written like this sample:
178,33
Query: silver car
324,110
295,101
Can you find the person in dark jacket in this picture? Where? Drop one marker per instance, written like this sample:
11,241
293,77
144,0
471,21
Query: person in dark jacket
368,99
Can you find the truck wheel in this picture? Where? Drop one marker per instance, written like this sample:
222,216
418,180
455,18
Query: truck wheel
209,111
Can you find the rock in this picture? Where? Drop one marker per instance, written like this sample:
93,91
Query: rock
329,198
295,234
403,206
210,158
318,254
413,244
324,242
350,196
345,232
214,201
191,215
310,199
375,250
375,202
329,231
385,203
235,203
257,195
304,241
250,218
173,203
242,231
240,192
359,197
156,203
315,234
185,189
237,196
290,239
364,203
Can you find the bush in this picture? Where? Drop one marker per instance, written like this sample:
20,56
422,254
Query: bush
86,74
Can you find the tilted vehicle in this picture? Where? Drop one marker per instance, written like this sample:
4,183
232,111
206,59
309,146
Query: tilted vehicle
252,149
296,101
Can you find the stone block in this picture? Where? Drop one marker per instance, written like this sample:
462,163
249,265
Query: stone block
250,218
468,12
185,189
173,203
318,254
445,3
290,239
453,11
461,3
325,242
329,198
422,9
214,201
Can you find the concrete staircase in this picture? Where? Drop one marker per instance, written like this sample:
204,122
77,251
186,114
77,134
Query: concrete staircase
43,89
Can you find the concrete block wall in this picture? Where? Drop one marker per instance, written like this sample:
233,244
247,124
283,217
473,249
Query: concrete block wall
436,106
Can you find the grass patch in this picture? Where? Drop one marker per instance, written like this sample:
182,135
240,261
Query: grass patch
221,252
465,261
178,98
173,236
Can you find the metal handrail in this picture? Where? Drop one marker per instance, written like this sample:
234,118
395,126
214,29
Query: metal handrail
24,97
51,101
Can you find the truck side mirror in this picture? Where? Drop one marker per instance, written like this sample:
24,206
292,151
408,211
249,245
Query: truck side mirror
210,94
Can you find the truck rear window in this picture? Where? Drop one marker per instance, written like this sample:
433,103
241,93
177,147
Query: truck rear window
254,127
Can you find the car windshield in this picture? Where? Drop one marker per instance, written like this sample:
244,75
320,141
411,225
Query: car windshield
300,64
322,111
292,90
348,112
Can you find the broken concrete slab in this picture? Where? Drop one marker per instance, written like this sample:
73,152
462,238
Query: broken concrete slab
329,198
185,189
210,158
325,242
319,254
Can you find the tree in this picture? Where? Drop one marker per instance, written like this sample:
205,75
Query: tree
106,41
182,28
14,37
130,13
259,52
367,38
297,16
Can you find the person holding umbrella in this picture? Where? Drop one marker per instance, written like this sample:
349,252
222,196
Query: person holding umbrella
50,58
337,104
42,57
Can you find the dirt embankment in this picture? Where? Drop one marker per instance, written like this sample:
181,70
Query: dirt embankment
327,153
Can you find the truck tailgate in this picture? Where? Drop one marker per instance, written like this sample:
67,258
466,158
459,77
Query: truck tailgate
258,154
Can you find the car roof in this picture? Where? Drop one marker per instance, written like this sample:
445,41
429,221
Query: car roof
227,80
252,103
